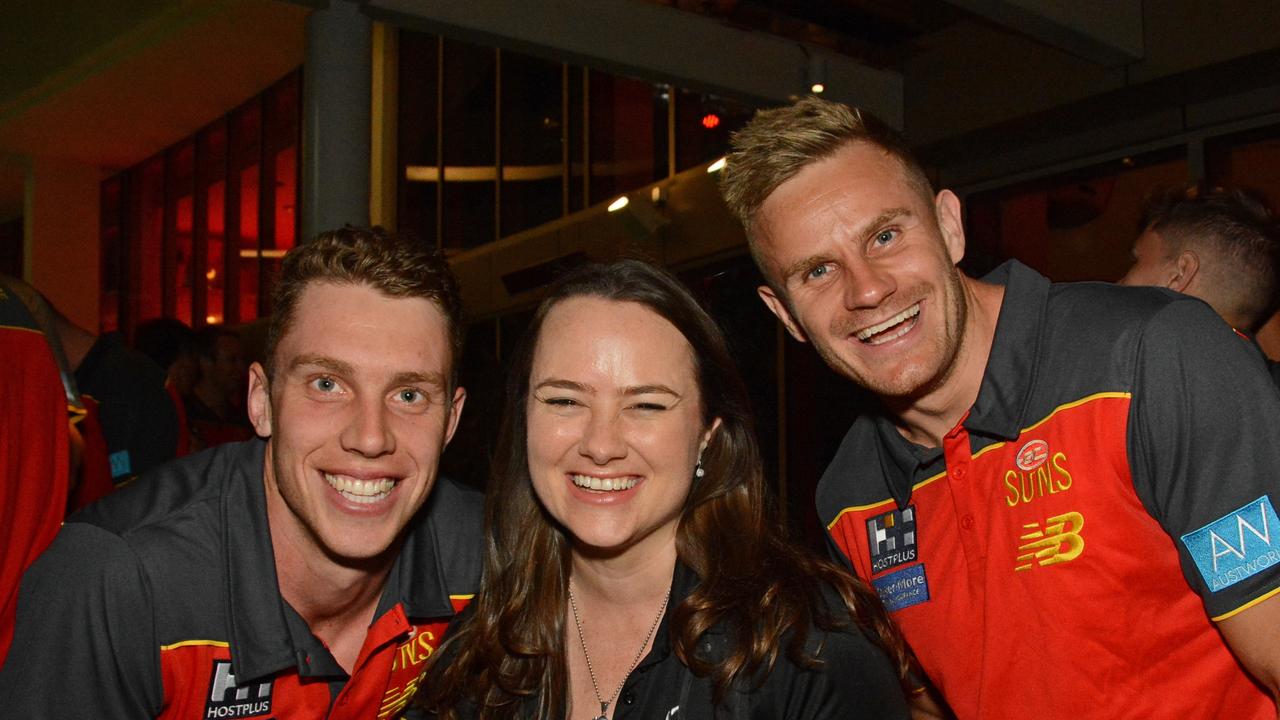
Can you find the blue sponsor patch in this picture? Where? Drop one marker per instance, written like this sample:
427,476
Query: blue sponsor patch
120,465
903,588
1236,545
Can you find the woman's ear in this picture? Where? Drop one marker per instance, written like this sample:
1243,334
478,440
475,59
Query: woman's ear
706,437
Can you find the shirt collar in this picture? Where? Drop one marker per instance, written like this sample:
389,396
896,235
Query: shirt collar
1003,397
1009,381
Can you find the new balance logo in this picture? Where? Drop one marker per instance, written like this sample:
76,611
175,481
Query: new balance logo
229,700
1058,541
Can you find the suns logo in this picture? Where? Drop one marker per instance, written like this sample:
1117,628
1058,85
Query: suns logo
1039,473
1032,455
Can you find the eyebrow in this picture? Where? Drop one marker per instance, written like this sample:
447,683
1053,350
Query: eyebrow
339,367
884,217
583,388
331,364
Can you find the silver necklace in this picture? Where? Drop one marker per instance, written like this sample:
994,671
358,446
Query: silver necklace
604,704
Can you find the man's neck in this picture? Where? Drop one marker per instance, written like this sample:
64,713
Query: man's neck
926,419
336,600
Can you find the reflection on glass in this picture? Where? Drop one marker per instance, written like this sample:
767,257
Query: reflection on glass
215,253
247,260
150,257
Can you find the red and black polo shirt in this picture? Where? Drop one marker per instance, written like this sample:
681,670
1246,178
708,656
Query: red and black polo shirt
162,601
1109,495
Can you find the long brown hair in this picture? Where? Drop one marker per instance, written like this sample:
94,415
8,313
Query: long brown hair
754,581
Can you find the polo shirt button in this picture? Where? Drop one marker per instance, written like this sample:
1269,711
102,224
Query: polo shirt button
959,473
966,522
629,698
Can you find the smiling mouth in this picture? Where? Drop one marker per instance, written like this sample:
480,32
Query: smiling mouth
605,484
891,329
360,491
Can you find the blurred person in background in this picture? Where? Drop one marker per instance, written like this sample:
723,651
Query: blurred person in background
215,406
1221,245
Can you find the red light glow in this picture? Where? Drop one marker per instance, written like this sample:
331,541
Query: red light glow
710,120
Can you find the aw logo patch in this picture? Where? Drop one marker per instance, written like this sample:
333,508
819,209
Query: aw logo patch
229,700
892,539
1236,545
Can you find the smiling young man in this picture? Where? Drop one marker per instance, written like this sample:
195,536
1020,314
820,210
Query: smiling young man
309,573
1068,499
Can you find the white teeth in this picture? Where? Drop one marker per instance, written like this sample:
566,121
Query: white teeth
865,334
360,491
605,484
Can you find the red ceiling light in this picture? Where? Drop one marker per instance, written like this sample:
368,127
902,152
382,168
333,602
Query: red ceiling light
710,121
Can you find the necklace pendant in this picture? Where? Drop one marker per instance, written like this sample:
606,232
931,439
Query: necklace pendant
604,711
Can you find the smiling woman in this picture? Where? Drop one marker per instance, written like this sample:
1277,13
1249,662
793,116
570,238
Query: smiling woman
634,562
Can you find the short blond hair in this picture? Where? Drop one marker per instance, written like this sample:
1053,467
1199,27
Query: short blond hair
778,143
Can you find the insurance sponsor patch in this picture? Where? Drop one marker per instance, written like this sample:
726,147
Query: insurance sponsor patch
903,588
892,539
1237,545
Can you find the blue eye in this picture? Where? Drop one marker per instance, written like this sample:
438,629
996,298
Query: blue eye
885,236
818,272
325,384
410,395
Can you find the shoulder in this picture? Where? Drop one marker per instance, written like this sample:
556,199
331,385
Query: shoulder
184,496
454,518
850,677
452,503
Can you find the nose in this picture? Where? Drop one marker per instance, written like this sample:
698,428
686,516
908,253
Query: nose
602,438
866,284
368,431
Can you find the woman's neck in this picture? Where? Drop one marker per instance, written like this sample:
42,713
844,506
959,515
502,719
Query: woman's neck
626,579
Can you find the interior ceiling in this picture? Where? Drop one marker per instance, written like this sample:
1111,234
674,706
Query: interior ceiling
108,83
879,33
112,82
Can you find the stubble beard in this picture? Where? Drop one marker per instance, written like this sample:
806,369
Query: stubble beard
918,380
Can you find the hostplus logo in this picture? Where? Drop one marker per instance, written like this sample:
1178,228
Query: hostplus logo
227,699
892,539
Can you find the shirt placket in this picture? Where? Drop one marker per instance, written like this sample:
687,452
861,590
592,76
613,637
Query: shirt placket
966,498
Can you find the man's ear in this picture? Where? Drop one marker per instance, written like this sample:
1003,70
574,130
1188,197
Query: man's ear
947,207
1185,268
455,412
778,307
259,402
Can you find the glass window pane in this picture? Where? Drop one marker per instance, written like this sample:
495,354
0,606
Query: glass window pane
243,193
215,254
628,134
703,126
418,125
532,142
1078,225
211,231
468,117
149,258
577,137
112,204
178,260
249,251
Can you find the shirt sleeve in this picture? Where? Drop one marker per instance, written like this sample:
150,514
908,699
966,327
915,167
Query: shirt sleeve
83,644
1204,450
